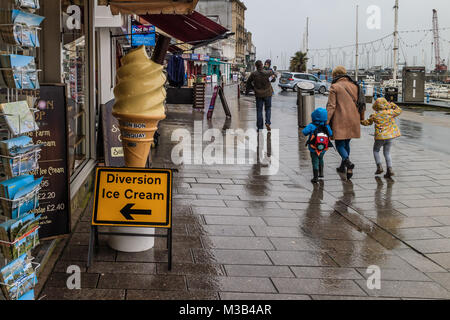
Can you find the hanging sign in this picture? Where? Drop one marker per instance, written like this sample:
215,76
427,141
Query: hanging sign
143,35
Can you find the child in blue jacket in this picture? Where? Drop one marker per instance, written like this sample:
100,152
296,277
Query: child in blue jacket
319,141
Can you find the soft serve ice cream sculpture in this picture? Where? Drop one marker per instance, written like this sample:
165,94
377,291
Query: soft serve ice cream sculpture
139,104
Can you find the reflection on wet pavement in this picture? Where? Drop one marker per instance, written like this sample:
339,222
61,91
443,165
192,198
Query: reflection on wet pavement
242,235
423,134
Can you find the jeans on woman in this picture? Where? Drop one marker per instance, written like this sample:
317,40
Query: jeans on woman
386,145
343,147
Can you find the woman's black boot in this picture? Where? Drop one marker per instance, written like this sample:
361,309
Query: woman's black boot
350,166
341,169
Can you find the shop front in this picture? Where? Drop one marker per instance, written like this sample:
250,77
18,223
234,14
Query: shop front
79,53
48,104
73,72
195,31
214,69
218,69
67,61
196,68
81,46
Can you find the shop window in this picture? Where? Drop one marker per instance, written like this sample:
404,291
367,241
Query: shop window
75,76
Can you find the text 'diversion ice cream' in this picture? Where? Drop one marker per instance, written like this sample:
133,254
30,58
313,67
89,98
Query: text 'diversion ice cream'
139,104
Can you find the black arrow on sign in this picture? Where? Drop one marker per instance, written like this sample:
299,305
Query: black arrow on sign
127,211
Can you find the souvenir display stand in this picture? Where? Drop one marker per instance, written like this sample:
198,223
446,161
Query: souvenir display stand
19,190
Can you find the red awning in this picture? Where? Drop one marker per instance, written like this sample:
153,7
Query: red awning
194,28
172,48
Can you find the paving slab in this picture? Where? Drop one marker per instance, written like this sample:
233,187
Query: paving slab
261,296
231,284
407,289
318,286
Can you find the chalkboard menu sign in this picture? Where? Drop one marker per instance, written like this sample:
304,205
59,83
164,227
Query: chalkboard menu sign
112,142
54,198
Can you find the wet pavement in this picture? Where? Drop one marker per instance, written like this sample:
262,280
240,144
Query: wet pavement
239,234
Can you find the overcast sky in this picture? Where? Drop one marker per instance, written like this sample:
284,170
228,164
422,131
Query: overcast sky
278,27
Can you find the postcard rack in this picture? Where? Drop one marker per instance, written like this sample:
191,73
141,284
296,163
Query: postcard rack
22,27
17,242
33,110
19,159
9,244
10,95
18,49
21,282
18,203
13,93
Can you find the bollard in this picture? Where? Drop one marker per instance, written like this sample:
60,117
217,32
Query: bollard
306,103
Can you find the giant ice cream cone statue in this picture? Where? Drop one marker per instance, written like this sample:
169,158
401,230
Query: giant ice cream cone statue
139,107
139,104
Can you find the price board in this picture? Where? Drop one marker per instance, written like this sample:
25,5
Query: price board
54,197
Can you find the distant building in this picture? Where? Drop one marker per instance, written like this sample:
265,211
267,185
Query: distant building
231,15
238,18
250,52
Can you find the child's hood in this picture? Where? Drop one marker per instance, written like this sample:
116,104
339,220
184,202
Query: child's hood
381,104
320,116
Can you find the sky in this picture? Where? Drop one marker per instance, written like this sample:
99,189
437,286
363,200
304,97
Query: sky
278,27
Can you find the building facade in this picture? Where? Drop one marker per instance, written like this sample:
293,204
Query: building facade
220,12
250,52
231,15
238,27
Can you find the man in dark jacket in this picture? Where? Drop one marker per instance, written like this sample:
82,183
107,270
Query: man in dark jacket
260,82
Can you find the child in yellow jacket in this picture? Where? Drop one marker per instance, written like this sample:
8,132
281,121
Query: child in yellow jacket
386,130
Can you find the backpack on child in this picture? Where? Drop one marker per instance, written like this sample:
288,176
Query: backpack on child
319,140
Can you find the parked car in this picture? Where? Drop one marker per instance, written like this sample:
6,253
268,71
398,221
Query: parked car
289,80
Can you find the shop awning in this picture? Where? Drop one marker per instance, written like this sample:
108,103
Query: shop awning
142,7
195,28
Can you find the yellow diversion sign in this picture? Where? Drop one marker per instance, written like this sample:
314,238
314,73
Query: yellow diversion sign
133,198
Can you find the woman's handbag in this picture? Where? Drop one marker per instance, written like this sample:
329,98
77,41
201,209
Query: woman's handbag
360,102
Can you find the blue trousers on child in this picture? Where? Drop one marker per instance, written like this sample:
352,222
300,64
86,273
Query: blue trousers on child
317,160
